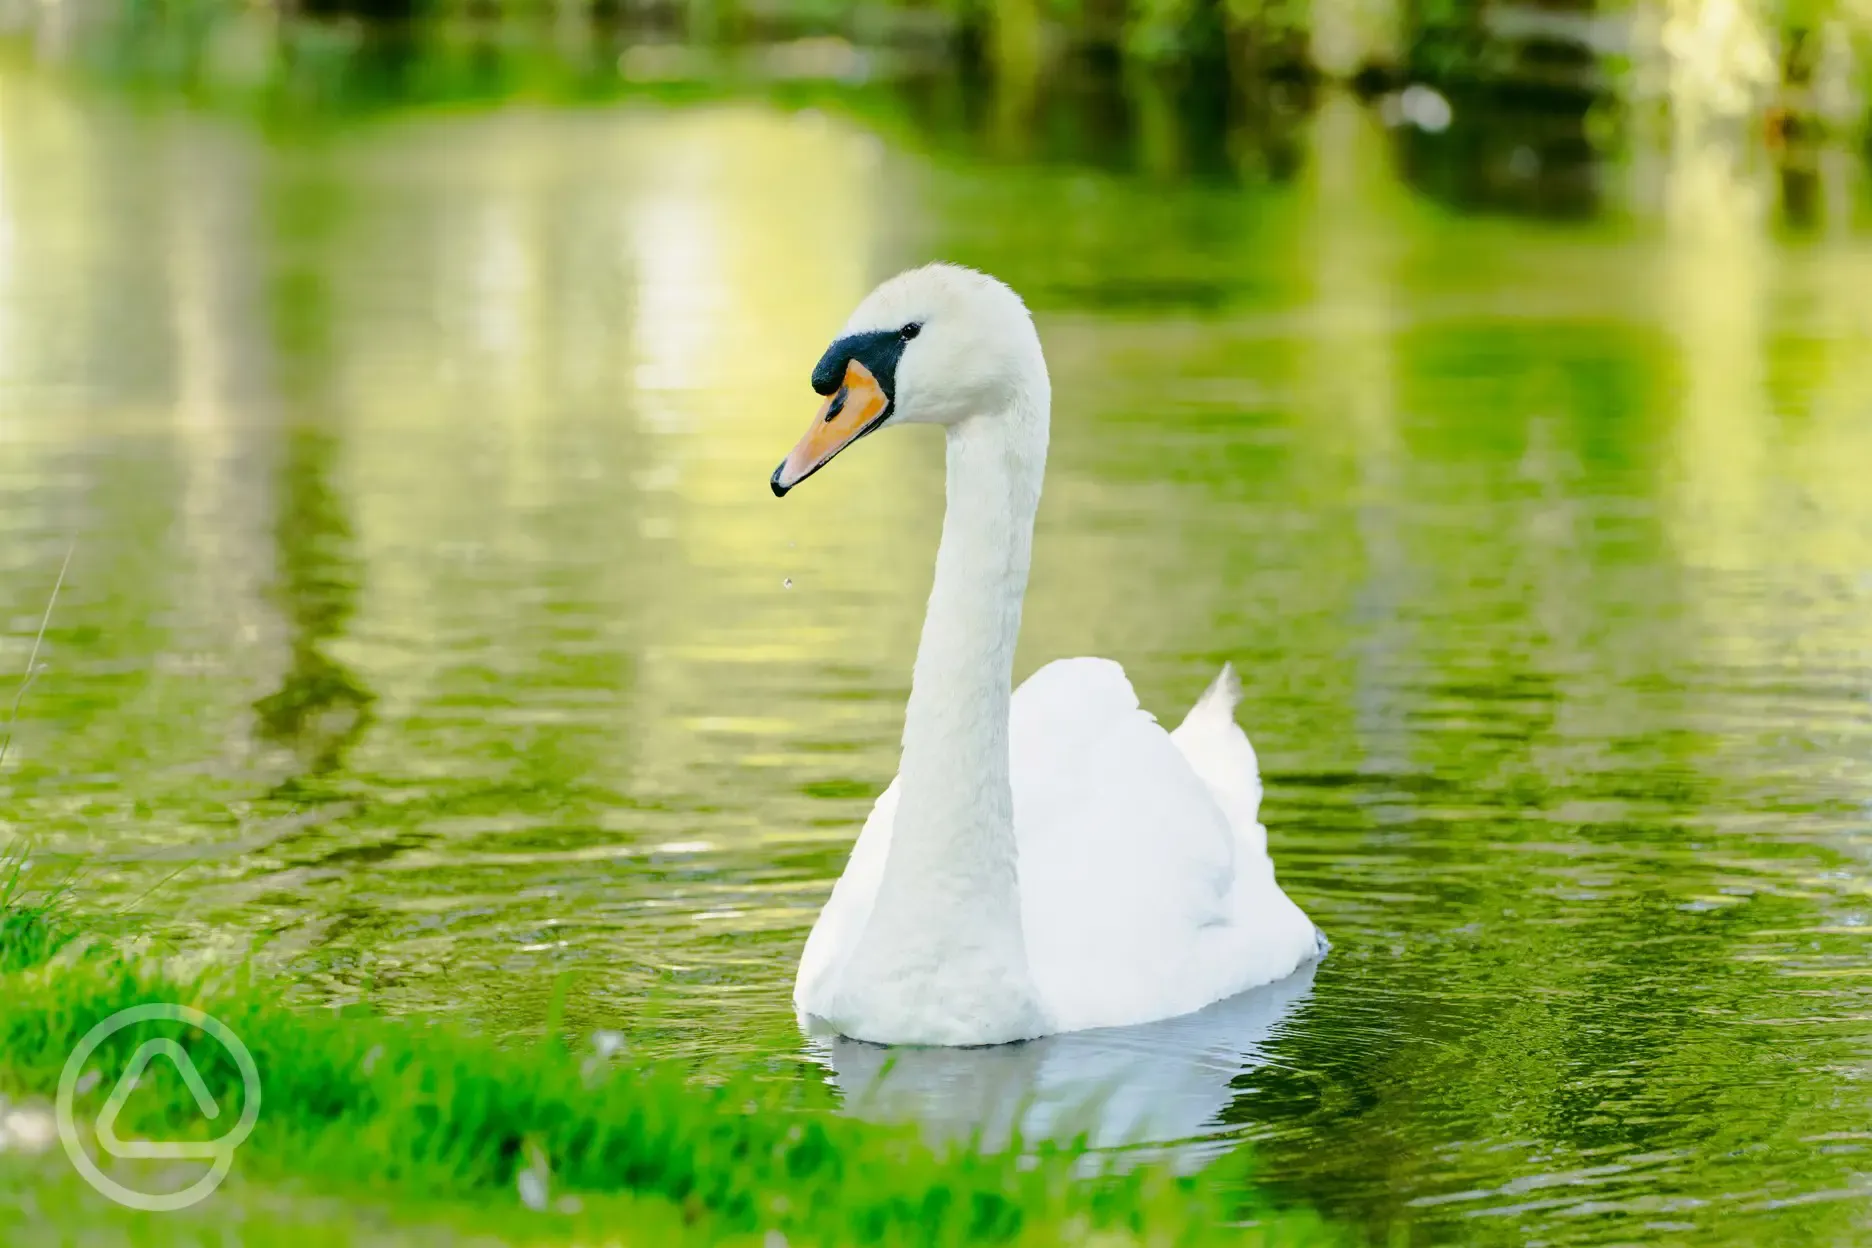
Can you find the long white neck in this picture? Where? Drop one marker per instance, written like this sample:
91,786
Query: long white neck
957,811
945,930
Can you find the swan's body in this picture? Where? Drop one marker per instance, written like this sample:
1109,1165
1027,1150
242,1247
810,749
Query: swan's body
1049,860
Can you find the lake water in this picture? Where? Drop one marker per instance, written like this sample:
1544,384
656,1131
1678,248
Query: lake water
428,613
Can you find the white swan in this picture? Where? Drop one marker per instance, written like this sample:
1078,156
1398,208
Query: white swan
1048,860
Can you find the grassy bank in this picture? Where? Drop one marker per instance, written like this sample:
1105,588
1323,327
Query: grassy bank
378,1129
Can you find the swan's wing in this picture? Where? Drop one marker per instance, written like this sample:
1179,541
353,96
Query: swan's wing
1220,753
1124,855
1143,896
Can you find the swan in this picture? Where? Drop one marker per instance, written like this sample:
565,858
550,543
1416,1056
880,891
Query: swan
1047,859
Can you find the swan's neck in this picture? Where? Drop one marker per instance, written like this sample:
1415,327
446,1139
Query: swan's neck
944,959
957,807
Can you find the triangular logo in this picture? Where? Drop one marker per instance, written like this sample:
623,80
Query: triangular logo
147,1052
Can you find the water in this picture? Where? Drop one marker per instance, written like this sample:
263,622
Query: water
428,613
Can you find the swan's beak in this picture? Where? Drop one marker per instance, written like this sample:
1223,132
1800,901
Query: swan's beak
853,410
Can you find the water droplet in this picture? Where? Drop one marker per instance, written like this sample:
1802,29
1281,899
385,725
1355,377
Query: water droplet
787,583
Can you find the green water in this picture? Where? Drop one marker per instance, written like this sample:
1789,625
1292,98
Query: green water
428,613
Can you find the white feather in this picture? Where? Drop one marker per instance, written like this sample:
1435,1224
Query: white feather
1053,860
1144,894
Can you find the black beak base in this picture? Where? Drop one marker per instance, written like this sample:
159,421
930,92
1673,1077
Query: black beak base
878,350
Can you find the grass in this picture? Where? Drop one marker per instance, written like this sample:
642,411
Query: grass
61,1210
34,924
390,1125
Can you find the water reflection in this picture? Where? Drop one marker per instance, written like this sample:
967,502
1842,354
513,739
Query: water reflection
321,706
1166,1083
1498,155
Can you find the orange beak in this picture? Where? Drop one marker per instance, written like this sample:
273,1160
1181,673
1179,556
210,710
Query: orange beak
853,411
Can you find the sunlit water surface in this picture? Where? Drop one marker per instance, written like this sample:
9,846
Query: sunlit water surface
428,613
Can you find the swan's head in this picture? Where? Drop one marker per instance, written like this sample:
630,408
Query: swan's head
933,346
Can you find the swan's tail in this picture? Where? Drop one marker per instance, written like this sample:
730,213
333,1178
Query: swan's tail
1220,752
1217,704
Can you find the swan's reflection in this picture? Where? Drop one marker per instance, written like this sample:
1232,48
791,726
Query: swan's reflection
1158,1083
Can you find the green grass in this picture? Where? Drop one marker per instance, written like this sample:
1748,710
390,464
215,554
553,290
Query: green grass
59,1209
34,924
375,1128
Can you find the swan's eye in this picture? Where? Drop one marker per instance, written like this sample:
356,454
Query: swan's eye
910,331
